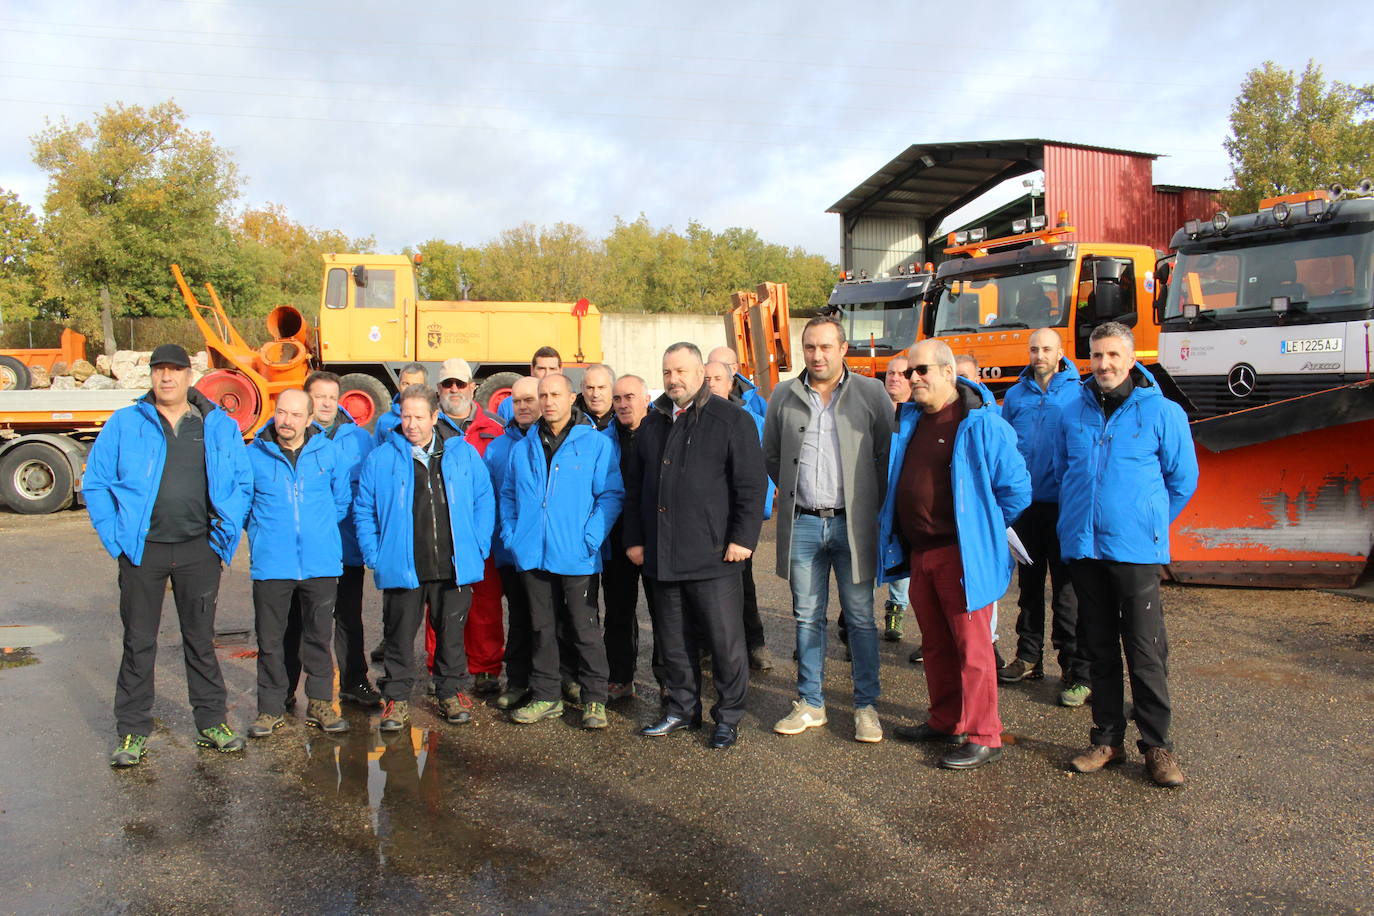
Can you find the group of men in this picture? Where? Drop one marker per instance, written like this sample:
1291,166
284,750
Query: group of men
580,499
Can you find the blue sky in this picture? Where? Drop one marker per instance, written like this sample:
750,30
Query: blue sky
409,121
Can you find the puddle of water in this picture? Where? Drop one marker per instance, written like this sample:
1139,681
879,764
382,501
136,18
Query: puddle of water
17,657
29,636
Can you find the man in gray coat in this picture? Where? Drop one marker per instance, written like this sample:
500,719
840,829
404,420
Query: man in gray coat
825,442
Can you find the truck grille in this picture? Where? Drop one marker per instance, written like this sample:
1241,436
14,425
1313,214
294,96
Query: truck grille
1211,397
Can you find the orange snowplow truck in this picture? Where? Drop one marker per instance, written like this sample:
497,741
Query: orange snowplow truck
372,324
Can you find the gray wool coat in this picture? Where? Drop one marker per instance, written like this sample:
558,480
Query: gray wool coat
864,416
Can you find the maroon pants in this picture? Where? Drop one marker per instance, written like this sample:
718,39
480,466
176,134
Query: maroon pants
485,634
961,670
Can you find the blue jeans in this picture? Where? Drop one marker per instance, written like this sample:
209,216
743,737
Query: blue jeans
896,592
819,545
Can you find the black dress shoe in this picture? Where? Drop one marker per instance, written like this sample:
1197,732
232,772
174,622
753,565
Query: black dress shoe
669,724
924,732
970,757
724,736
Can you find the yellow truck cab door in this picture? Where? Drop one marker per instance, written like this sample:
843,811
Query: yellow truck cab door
366,314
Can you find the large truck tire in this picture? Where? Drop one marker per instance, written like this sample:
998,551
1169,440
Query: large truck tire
364,397
35,479
495,389
14,375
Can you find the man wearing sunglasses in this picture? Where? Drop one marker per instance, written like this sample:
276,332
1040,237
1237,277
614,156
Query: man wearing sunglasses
950,440
484,634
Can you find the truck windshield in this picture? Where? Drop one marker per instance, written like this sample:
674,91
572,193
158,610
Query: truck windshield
1324,274
891,325
1035,298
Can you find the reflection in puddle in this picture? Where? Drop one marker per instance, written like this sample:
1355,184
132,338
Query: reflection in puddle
17,657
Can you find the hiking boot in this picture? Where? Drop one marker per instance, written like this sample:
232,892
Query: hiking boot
1020,670
130,751
265,724
760,660
802,717
513,697
221,738
594,716
917,656
364,695
395,716
322,715
572,693
867,728
539,709
486,685
1075,695
892,622
1097,757
456,710
1163,768
619,692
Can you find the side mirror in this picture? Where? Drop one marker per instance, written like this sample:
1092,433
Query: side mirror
1163,271
360,275
1108,300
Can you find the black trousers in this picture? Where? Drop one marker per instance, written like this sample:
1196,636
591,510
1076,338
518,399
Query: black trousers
1036,528
349,652
272,602
714,607
753,623
519,638
403,609
1118,608
194,570
620,581
573,598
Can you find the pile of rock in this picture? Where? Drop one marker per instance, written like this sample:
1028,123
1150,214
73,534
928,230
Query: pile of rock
127,369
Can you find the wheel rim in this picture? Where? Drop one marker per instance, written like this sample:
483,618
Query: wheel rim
34,480
497,396
359,405
9,379
235,394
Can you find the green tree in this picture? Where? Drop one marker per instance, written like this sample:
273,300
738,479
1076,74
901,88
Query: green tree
19,238
1292,132
558,263
280,260
447,272
129,193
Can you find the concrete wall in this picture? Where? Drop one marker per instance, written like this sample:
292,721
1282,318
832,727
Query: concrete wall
634,343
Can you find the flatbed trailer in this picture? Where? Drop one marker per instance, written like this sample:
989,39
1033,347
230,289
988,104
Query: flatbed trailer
44,439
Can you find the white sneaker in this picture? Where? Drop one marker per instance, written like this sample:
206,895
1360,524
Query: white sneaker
867,728
802,717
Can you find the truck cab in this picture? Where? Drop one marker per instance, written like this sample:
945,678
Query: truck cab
881,316
1271,305
995,293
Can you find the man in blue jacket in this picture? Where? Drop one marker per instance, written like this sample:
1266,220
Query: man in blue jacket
350,651
424,514
561,494
955,484
1032,407
301,492
524,401
167,486
410,374
743,390
1126,469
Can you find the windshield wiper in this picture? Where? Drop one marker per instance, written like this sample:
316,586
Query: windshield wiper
1267,307
960,330
1004,325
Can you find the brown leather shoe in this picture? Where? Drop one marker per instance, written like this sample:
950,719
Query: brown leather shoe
1163,768
1096,757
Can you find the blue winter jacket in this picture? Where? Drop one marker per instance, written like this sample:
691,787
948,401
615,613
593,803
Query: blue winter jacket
355,443
384,511
124,472
388,421
497,460
556,516
505,411
991,490
1034,414
1122,481
293,520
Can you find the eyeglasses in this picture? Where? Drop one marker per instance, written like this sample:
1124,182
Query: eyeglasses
453,383
922,369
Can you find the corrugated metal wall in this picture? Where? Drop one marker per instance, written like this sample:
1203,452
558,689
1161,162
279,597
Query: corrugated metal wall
880,244
1111,197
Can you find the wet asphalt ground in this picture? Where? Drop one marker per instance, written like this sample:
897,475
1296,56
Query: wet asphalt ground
1274,708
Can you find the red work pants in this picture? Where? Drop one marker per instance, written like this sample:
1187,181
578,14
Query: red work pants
484,637
961,670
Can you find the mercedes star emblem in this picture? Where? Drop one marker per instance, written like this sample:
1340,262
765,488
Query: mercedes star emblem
1241,381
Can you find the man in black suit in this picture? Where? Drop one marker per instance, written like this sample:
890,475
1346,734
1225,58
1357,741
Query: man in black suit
693,508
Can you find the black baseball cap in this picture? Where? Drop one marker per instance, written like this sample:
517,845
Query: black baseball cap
170,355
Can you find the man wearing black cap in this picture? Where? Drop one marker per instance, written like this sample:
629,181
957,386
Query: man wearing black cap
167,486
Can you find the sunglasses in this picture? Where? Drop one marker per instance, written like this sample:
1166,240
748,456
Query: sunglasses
922,369
453,383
